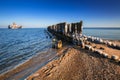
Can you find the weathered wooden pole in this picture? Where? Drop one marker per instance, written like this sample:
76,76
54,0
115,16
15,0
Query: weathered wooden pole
75,27
81,27
65,28
69,28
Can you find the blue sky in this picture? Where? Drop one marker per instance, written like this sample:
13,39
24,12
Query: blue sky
41,13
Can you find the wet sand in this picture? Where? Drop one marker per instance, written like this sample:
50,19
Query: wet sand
29,67
74,63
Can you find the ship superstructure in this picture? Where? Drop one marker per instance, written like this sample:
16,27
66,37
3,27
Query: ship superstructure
14,26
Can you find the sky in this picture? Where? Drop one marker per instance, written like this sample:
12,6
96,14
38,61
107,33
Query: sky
42,13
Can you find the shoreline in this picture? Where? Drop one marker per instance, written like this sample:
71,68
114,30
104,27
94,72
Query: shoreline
29,66
22,63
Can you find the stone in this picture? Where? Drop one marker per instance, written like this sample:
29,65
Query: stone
82,44
59,44
114,57
36,74
92,49
109,43
98,51
88,47
118,46
105,55
100,40
113,45
101,48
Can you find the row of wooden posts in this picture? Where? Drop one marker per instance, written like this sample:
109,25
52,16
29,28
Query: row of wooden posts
65,28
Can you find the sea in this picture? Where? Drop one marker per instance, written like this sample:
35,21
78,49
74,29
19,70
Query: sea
19,45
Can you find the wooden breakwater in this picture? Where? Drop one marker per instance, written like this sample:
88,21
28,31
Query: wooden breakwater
66,31
72,32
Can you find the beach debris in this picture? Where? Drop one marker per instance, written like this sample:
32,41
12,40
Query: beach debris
101,48
118,60
82,44
54,40
92,49
114,45
98,51
94,46
79,42
109,43
105,55
36,74
118,47
114,57
59,44
88,47
101,40
56,43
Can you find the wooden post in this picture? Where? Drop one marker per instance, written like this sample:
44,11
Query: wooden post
81,24
65,28
73,27
76,28
69,28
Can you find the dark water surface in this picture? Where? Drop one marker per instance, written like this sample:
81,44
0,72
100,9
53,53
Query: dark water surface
17,46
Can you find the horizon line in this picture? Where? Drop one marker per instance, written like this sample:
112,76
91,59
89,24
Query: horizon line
83,27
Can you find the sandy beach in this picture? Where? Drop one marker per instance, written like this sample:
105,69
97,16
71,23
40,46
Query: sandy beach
68,63
29,67
75,63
